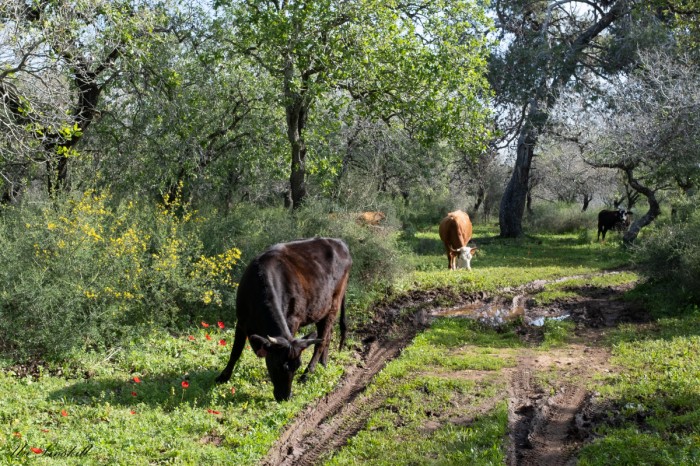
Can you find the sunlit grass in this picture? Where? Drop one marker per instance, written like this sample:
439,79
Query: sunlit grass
572,288
156,419
507,262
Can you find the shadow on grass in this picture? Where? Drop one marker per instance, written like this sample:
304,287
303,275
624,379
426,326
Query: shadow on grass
163,390
529,251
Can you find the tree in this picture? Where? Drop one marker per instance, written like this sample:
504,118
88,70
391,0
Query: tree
188,116
651,131
565,175
57,59
553,46
418,65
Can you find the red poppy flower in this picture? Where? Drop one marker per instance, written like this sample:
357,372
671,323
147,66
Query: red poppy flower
233,390
137,380
132,411
222,342
191,338
64,413
185,384
134,393
205,325
207,336
17,434
211,411
36,450
220,324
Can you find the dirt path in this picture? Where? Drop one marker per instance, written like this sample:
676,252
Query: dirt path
546,419
547,395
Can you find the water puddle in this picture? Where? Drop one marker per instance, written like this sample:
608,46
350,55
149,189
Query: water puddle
539,321
499,311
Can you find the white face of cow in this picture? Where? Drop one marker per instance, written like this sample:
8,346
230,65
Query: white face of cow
464,258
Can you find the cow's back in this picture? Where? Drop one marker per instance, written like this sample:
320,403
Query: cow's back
293,282
456,229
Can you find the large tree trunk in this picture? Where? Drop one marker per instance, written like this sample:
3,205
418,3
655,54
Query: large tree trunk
515,196
654,209
547,94
480,194
296,108
587,198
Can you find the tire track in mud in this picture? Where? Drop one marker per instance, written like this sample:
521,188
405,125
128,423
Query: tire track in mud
543,428
326,425
540,426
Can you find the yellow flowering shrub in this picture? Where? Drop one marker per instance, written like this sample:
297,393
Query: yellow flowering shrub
99,266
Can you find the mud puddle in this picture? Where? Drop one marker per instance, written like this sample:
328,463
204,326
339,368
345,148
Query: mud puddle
547,423
593,306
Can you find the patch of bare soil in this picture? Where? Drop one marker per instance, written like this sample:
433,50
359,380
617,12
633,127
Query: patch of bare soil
551,411
547,420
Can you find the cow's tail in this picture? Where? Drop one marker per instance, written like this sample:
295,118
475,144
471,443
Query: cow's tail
343,326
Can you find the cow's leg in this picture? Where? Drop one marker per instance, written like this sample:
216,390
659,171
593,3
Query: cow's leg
238,345
324,328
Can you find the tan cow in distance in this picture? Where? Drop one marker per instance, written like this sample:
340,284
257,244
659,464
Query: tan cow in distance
370,218
455,233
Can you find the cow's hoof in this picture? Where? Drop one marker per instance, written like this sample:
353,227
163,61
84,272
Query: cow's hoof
222,378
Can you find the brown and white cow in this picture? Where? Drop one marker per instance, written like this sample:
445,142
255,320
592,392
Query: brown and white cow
455,233
288,286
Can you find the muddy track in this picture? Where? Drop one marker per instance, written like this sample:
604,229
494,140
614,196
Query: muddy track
326,425
541,427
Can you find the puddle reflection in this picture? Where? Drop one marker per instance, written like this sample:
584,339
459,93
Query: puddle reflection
498,312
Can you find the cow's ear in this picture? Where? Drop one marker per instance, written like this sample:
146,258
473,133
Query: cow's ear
270,342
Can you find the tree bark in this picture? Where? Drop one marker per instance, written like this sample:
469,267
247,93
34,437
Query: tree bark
587,198
654,209
480,194
514,198
296,109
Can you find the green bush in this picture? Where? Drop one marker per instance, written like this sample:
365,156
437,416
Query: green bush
670,252
426,211
85,271
561,218
374,250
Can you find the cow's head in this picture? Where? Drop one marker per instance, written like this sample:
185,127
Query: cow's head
464,257
621,215
283,358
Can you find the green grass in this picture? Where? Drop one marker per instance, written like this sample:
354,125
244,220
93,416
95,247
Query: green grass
444,375
500,262
656,393
157,419
572,288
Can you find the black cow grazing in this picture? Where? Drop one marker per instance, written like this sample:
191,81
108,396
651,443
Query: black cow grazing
286,287
612,219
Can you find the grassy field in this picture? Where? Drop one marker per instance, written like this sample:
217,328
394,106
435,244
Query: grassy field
443,401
